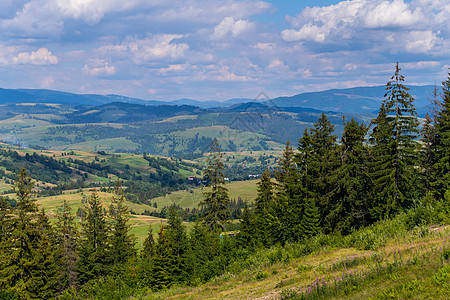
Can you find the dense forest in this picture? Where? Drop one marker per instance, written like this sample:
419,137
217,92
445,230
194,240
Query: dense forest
392,166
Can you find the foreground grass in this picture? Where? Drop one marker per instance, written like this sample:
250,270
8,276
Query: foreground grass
404,265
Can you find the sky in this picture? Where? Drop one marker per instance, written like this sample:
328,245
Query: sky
220,49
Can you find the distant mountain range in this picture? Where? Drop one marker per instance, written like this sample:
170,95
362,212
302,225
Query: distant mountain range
354,100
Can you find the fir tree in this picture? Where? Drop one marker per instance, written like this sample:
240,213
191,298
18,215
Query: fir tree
350,193
441,170
394,149
216,199
146,259
287,205
94,260
149,245
428,154
122,241
161,260
310,222
44,280
26,257
247,230
322,165
66,247
262,215
179,244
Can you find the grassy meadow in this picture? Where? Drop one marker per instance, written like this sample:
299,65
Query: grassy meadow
384,261
246,190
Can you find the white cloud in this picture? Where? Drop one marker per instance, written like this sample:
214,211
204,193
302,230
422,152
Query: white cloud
37,19
348,19
99,67
173,69
231,28
41,57
156,48
92,11
390,14
420,41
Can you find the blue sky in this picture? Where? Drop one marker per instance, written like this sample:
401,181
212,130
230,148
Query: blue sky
220,49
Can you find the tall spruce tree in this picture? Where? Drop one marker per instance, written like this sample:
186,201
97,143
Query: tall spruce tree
94,249
26,256
287,203
323,163
262,216
122,241
67,237
162,258
428,153
350,193
441,170
394,150
215,203
179,245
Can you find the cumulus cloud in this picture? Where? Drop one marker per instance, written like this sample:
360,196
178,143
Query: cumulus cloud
99,67
157,48
41,57
231,28
347,19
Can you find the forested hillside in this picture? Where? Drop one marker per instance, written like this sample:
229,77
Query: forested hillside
377,185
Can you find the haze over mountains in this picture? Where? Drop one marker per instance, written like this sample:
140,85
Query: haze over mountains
353,100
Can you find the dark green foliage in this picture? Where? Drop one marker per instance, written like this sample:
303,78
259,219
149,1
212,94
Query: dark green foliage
394,150
349,197
287,203
262,213
428,154
216,199
162,261
67,236
122,241
441,170
310,220
146,259
179,244
94,249
26,259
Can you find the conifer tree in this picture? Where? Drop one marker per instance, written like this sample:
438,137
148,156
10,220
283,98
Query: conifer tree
310,221
67,236
94,260
161,278
395,149
146,259
216,199
122,241
5,222
428,154
323,163
350,193
26,257
44,279
179,244
248,230
441,170
287,203
262,215
149,245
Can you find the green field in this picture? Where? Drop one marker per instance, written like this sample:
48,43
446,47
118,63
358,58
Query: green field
246,190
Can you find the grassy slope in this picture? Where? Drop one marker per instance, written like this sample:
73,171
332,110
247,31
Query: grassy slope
187,199
410,265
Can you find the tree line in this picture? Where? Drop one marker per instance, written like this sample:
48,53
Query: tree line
375,172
